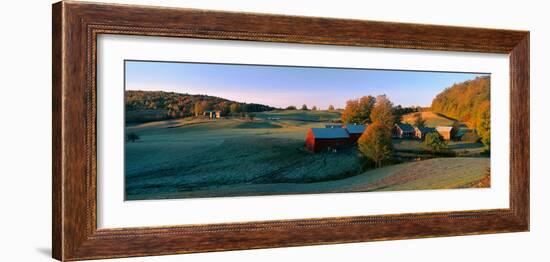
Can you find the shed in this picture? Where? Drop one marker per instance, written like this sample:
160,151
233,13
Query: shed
445,131
212,114
318,139
403,131
458,133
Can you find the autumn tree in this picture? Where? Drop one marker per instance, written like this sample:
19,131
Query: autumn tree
483,124
314,108
198,108
358,110
351,112
330,108
468,102
173,110
234,108
383,112
223,107
291,108
376,143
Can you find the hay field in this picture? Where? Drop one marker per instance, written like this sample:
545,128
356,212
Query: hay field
431,119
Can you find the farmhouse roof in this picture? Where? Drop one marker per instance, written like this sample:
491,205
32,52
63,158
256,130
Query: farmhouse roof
444,128
355,129
426,129
329,133
406,127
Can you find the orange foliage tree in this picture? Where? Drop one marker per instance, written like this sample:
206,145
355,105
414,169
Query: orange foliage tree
375,143
358,110
383,112
468,102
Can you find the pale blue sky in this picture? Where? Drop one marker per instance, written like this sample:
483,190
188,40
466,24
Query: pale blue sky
281,86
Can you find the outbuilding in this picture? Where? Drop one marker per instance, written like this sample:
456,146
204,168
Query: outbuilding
355,131
319,139
421,132
212,114
403,131
445,131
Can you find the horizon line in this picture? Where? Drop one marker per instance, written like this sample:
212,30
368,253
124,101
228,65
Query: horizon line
276,107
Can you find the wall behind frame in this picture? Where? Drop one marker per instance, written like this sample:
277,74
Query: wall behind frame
25,147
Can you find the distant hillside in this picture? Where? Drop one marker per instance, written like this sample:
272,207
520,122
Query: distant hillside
144,106
429,118
468,102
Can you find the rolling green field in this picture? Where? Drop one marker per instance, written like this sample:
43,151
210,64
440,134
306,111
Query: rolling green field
235,156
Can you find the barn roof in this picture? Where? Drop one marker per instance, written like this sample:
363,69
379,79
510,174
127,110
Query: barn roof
406,127
444,128
462,131
329,133
355,129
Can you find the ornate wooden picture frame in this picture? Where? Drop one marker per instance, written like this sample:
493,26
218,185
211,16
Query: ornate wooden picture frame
76,26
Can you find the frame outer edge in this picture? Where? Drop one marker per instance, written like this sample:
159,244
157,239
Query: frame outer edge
520,130
72,240
57,111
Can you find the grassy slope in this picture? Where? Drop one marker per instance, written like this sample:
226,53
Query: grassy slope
440,173
431,119
459,147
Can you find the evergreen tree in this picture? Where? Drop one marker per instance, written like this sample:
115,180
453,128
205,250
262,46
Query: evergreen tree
434,142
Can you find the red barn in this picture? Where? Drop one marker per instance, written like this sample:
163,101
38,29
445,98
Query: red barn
318,139
355,131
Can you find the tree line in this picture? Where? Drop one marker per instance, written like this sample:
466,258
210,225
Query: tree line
313,108
468,102
359,110
183,105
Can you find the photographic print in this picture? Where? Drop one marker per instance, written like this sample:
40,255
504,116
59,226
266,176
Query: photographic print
195,130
